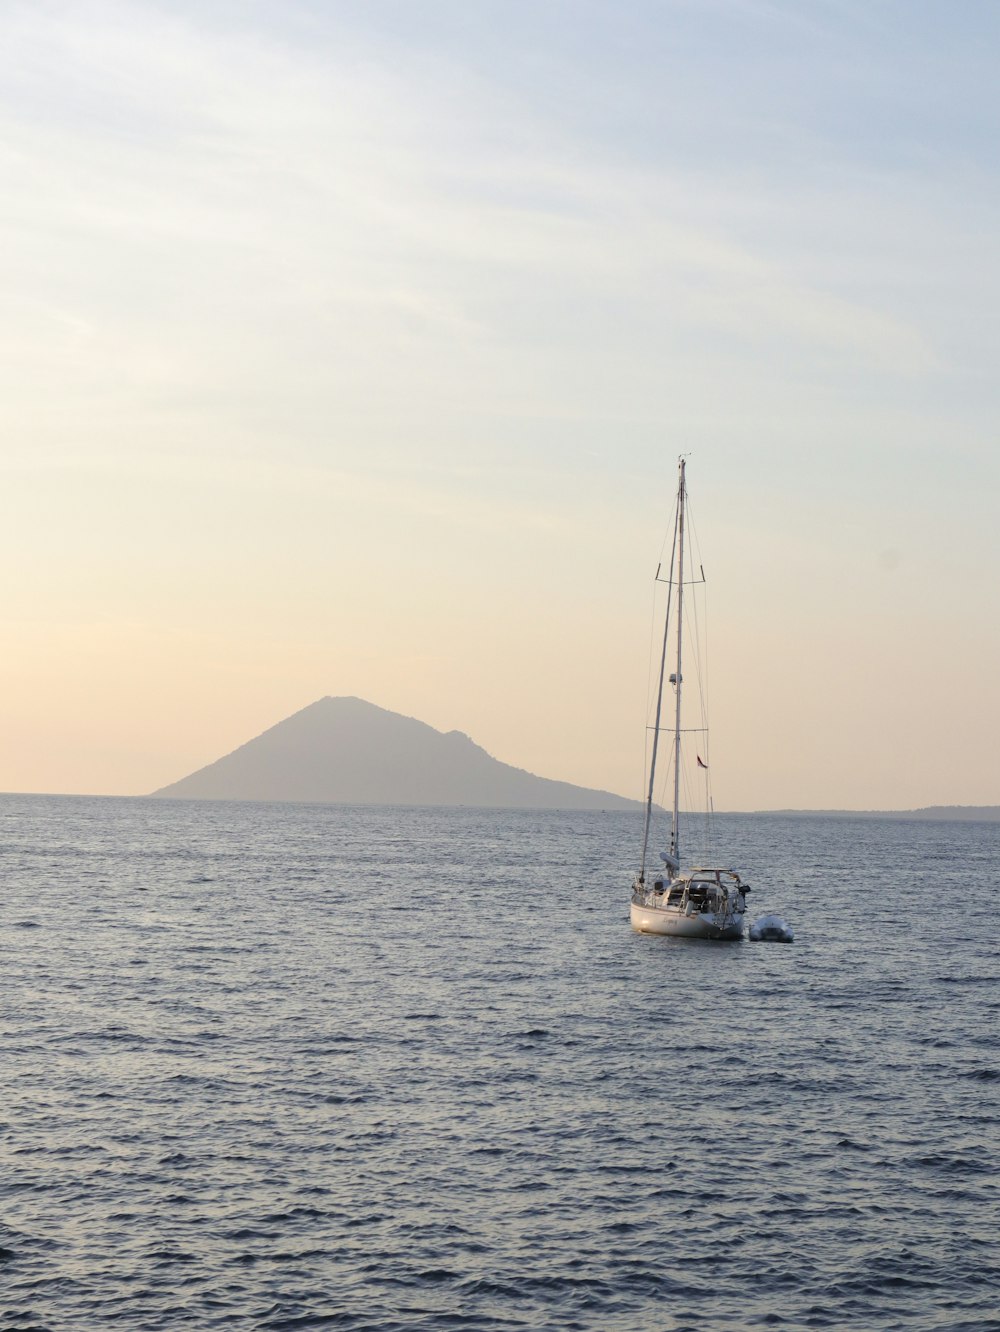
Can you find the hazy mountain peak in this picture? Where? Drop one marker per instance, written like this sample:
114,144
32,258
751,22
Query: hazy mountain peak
349,751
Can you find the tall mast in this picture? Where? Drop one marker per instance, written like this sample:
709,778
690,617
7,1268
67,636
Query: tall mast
674,826
659,700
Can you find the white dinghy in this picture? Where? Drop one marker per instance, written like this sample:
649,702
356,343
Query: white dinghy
705,902
772,929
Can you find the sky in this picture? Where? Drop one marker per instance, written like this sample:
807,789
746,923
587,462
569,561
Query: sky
348,348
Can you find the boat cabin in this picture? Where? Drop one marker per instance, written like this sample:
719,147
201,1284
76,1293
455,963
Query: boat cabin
703,888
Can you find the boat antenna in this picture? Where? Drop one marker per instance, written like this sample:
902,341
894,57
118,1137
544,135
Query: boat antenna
659,692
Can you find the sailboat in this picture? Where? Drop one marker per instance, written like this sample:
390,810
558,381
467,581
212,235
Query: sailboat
704,901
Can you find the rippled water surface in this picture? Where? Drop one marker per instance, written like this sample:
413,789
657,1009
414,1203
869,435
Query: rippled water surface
299,1066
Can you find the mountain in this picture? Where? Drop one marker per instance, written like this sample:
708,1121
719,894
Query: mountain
347,751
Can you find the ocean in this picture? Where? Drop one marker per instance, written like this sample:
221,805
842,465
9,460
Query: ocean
299,1066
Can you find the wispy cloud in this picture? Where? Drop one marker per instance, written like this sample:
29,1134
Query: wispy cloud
232,203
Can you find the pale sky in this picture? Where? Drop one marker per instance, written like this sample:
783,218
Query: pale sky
349,347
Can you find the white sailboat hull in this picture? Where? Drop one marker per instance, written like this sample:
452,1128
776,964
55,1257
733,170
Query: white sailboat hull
671,920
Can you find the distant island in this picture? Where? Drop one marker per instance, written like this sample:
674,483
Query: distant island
347,751
949,813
